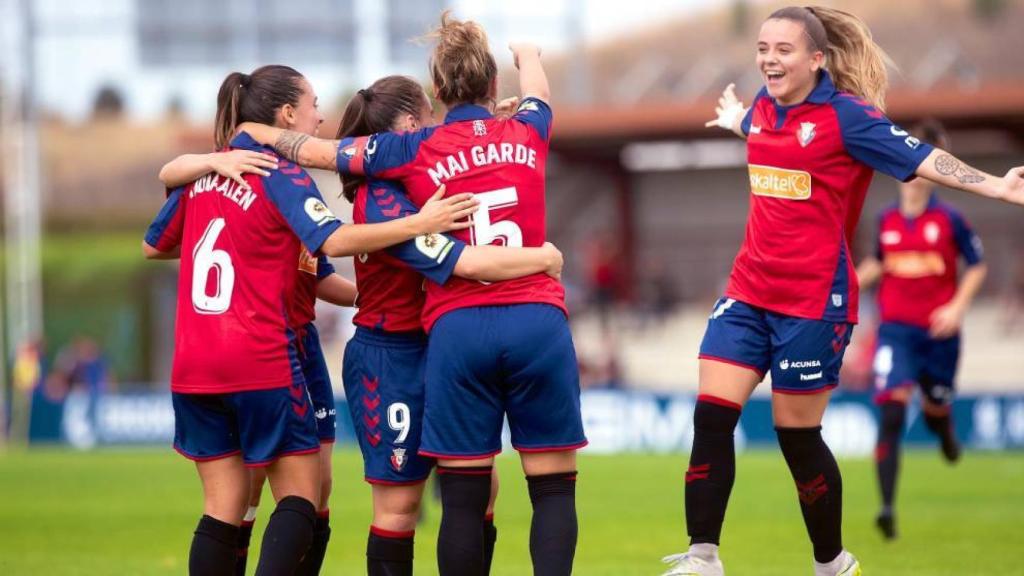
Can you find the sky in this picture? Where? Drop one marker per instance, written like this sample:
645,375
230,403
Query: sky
86,44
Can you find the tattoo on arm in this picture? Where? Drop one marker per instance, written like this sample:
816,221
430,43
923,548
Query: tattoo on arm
289,143
947,165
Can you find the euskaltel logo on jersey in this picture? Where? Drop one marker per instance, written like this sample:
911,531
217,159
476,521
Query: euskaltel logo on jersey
780,182
318,211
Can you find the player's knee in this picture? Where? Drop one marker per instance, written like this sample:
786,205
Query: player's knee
397,512
715,415
541,463
893,415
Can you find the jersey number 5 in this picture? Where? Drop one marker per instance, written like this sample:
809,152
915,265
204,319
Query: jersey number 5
205,260
486,232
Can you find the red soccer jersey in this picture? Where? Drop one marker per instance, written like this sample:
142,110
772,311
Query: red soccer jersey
919,261
238,265
810,166
311,270
391,282
500,161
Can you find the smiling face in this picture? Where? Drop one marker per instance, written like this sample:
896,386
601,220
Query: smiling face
305,115
787,61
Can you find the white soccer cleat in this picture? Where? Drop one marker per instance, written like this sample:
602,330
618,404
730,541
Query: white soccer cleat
845,564
687,564
851,567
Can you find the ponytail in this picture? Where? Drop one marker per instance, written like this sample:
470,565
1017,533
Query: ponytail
254,97
857,65
227,108
375,109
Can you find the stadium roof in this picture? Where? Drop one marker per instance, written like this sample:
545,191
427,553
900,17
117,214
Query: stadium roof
955,62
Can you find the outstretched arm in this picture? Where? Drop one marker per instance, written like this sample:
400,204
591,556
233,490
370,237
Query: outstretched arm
730,112
303,149
943,168
232,164
533,82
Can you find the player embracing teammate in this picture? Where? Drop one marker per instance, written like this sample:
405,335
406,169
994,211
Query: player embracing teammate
494,350
238,387
815,135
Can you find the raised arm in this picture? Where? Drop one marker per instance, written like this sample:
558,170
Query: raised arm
496,263
232,164
303,149
533,82
943,168
730,112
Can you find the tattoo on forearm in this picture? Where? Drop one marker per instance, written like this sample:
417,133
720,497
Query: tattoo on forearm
947,165
289,143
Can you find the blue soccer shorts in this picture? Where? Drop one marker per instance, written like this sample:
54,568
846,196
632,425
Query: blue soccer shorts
318,381
261,425
485,363
383,378
909,356
803,355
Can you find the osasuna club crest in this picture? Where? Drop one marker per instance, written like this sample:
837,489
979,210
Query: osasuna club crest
806,133
398,459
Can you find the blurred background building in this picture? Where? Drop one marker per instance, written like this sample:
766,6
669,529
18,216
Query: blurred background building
648,205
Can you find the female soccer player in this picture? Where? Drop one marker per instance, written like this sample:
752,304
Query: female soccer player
383,371
239,394
494,349
815,135
922,304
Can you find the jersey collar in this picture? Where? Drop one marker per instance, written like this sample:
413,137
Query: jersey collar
467,112
246,142
824,91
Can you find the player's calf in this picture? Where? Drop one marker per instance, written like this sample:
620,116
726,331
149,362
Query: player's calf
819,486
460,540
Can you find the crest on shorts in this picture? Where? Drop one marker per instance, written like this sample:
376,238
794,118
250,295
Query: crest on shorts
398,459
806,133
837,300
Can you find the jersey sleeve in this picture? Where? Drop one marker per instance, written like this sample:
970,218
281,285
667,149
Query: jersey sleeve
967,241
385,151
165,231
748,118
874,140
432,255
324,268
535,113
297,198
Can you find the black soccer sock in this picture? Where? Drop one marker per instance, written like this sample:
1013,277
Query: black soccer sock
490,537
554,529
712,468
314,558
819,486
460,540
287,537
244,537
389,553
887,451
214,548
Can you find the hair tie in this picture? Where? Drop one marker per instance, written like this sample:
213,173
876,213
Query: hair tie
366,93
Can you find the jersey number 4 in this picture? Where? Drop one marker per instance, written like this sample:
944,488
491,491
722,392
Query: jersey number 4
206,260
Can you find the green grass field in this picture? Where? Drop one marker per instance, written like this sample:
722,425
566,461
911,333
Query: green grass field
133,511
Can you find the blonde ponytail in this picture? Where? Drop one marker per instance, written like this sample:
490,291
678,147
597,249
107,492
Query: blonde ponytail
856,63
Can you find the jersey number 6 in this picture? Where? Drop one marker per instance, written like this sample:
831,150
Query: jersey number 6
206,259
